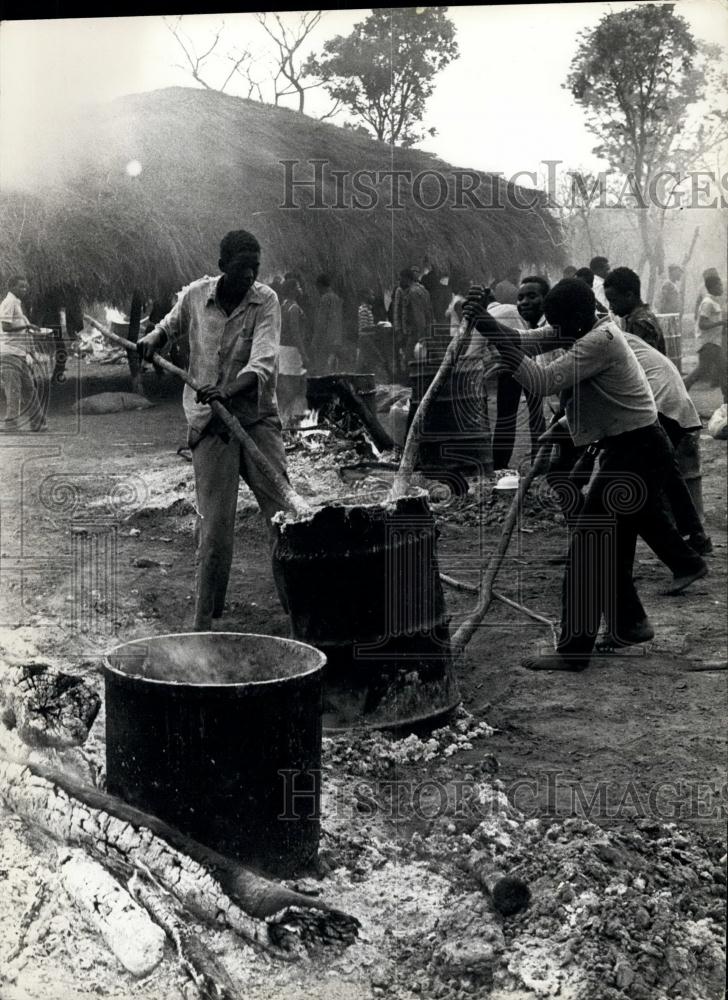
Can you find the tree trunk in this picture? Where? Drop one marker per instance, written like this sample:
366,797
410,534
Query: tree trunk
209,885
135,318
46,707
684,265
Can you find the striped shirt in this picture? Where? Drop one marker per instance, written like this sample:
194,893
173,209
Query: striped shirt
366,318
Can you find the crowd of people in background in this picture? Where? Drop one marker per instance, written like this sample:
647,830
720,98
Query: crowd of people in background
391,329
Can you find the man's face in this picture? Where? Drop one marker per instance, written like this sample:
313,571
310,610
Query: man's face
714,286
675,274
620,302
405,282
21,288
602,270
241,270
530,301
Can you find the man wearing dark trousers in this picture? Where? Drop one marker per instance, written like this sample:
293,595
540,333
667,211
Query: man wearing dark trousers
231,326
608,401
678,416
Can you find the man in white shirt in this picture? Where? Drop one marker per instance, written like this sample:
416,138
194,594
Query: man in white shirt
16,356
678,416
525,315
710,330
232,327
608,400
599,266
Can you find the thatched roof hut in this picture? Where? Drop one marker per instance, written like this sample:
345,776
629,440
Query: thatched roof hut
210,163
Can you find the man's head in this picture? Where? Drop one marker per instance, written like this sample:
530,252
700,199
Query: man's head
622,288
569,271
290,288
323,283
19,285
570,308
714,285
407,277
674,272
710,272
239,260
600,266
585,274
531,294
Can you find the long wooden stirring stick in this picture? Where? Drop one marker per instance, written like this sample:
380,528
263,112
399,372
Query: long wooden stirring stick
286,496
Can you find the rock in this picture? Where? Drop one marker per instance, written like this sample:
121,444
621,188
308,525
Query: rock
623,974
565,893
510,895
380,979
467,955
607,853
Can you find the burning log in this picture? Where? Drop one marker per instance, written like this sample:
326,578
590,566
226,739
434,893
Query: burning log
47,707
206,972
135,940
323,390
216,888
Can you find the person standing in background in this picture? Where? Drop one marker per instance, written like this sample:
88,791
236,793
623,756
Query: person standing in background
587,275
327,328
17,355
292,358
599,266
623,290
506,290
709,272
411,315
454,311
669,301
365,313
710,331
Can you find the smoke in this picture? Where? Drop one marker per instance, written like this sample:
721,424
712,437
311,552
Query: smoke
213,658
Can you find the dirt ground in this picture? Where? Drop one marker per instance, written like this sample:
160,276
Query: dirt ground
97,547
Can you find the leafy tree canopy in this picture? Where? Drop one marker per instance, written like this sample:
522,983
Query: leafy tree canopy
384,71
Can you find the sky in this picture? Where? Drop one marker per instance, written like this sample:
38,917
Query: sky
500,106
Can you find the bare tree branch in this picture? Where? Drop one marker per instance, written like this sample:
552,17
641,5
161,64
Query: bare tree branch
288,42
330,114
194,61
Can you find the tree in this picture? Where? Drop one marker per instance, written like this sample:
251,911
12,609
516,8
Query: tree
241,62
384,71
647,88
288,42
283,80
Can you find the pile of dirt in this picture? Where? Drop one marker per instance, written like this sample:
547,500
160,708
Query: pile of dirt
625,913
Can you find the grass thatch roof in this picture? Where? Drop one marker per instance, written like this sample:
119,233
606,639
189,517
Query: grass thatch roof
213,163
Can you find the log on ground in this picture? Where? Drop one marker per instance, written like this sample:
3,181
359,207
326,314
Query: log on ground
47,707
209,885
